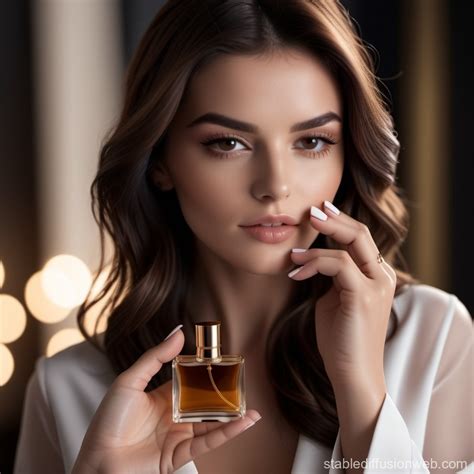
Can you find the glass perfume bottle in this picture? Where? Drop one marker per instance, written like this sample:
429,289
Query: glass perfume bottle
208,386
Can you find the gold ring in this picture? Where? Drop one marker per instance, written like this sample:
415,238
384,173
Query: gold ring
380,258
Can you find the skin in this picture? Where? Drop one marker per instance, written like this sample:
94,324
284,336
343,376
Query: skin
269,172
272,172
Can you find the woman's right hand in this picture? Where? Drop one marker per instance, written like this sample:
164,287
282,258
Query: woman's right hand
133,431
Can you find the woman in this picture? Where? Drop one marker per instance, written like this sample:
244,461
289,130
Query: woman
240,113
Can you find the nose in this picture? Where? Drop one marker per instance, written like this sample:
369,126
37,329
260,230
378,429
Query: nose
272,180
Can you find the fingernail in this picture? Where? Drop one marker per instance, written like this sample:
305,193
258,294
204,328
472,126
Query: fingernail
173,331
294,272
316,212
332,207
298,250
251,423
255,416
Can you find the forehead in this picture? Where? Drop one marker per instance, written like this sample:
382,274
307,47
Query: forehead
288,84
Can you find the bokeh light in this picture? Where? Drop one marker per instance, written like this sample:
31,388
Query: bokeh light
62,340
2,274
12,319
66,279
38,303
7,366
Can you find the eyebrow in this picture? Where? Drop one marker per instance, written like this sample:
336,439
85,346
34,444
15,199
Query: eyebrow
229,122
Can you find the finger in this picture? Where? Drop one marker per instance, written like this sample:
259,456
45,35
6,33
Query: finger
206,427
344,270
354,235
138,375
213,438
303,256
391,273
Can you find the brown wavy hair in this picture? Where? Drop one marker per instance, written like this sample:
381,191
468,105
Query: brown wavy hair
145,292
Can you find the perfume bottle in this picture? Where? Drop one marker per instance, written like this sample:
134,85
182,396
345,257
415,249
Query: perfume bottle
208,386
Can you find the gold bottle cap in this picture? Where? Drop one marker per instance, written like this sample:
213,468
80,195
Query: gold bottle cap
208,340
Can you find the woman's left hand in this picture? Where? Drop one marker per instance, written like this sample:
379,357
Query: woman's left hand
352,317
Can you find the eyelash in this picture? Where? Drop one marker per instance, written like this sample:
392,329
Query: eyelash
218,137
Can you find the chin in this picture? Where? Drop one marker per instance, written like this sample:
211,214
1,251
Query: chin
271,262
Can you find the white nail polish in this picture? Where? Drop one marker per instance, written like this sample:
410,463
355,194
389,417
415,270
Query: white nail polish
316,212
294,272
298,250
173,331
332,207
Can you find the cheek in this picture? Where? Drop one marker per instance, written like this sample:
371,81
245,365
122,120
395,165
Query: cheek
205,198
324,181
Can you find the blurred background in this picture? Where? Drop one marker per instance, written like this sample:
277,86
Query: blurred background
61,90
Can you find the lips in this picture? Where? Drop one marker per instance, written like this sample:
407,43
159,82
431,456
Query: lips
270,235
272,219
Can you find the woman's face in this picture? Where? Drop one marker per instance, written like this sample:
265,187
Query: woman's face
227,175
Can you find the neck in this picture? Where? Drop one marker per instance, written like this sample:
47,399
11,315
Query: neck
247,304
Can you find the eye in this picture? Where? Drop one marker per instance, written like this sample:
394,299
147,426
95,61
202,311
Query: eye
320,144
225,144
311,141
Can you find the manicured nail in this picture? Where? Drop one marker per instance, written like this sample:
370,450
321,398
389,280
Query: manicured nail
316,212
258,418
294,272
332,207
173,331
298,250
252,422
249,425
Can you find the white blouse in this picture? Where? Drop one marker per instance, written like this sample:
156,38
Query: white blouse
426,421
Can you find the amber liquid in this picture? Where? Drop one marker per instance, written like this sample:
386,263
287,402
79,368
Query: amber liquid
198,393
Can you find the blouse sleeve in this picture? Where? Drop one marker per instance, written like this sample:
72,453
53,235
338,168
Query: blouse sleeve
38,449
449,441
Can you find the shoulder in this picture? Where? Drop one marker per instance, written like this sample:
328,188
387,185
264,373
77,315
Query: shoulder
80,368
83,356
422,304
434,337
67,388
434,325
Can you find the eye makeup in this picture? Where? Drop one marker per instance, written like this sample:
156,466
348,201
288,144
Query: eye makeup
322,138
